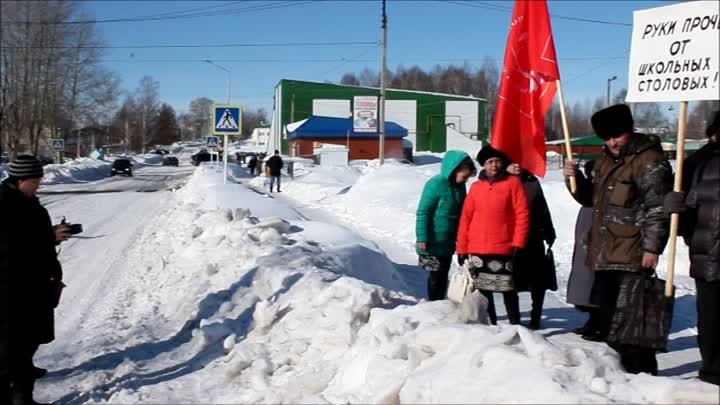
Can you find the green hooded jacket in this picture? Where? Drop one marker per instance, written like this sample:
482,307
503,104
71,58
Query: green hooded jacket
438,213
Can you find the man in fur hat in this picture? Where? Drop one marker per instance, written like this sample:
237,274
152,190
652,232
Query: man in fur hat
629,226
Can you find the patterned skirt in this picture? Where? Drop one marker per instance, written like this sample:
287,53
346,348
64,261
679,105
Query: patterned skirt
491,272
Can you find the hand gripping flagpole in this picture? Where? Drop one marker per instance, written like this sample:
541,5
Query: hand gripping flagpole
566,131
675,218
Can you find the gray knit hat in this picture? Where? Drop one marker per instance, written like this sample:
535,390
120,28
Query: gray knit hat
25,167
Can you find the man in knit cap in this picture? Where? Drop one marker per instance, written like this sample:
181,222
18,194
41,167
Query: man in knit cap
629,226
30,279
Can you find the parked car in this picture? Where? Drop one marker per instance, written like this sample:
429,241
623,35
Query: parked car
45,160
160,152
203,156
170,161
121,166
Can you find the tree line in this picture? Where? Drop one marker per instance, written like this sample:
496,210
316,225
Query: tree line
53,85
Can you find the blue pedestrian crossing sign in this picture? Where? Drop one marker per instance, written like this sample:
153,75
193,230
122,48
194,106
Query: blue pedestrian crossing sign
58,145
212,142
227,119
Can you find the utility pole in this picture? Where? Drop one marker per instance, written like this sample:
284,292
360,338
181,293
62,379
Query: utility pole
607,99
225,143
383,61
77,151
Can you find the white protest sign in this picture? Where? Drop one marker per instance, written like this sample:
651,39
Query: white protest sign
675,53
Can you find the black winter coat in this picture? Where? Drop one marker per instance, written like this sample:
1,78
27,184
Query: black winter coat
530,271
275,164
30,274
700,225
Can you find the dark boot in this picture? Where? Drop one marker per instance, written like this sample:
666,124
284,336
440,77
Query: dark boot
538,298
39,372
638,360
22,392
512,306
492,315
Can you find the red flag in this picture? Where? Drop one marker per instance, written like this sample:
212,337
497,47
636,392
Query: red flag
527,87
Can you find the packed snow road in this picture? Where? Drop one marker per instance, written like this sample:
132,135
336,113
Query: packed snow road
145,179
112,211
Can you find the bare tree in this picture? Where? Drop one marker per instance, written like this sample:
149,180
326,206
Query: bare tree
50,74
350,79
148,101
200,112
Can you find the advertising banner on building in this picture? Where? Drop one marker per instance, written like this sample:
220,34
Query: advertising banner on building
674,53
365,112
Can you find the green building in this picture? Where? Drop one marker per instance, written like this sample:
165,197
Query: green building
426,115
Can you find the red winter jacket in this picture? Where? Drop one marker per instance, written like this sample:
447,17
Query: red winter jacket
495,217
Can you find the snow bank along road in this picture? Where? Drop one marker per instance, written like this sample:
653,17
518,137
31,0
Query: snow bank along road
227,296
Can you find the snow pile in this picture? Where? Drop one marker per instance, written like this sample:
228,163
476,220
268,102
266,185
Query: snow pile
221,306
380,200
422,354
80,170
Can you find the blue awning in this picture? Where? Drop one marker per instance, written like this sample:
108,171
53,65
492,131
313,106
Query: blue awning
331,127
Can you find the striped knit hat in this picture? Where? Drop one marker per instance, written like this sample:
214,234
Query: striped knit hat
25,167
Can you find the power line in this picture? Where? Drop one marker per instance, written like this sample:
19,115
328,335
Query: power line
346,61
341,60
266,45
489,6
175,16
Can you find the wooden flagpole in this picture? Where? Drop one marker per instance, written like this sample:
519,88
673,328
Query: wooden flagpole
675,218
568,145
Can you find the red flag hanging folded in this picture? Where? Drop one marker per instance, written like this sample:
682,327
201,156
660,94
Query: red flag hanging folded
527,87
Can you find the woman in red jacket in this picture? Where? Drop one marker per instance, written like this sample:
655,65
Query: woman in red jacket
493,228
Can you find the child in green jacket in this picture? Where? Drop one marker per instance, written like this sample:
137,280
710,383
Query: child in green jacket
438,215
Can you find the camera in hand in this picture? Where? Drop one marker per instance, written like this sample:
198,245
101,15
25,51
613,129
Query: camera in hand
74,229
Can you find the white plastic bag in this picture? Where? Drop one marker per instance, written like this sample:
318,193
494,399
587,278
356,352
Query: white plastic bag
460,284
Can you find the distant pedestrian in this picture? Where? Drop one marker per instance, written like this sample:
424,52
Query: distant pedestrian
580,282
438,215
493,229
700,226
530,272
30,279
629,228
275,165
252,164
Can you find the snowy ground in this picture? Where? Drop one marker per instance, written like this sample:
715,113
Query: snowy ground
220,294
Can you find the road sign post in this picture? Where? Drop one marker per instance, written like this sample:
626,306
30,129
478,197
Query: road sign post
58,145
227,120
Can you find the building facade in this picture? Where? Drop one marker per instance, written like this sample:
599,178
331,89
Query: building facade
425,115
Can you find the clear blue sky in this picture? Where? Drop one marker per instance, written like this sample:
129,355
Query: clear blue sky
420,32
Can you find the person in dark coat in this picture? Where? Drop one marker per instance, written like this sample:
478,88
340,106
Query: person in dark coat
275,165
630,228
700,227
252,164
580,282
530,272
30,279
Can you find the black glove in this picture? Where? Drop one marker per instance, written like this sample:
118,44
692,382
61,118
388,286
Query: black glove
513,259
550,240
462,259
674,202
